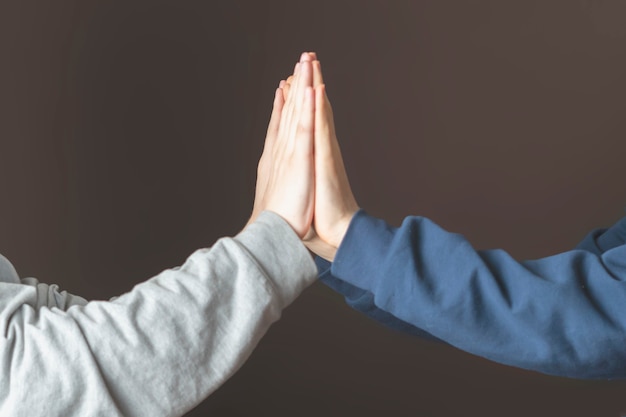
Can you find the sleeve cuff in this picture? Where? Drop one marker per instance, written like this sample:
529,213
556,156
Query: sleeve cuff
280,254
366,240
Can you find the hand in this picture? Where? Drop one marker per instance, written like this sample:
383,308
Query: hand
285,175
334,202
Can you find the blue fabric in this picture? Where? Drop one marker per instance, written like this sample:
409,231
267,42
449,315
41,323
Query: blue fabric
562,315
363,301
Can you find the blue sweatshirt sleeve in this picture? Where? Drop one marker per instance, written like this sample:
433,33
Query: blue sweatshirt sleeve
363,301
561,315
598,241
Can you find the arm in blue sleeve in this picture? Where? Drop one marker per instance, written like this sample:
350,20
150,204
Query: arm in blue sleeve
363,301
561,315
598,241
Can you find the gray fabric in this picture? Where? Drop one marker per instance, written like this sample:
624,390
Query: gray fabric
157,350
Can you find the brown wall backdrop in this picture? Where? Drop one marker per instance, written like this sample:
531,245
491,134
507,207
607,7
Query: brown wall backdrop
130,133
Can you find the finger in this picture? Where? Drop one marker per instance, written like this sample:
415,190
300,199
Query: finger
328,144
313,56
272,128
322,126
296,97
328,112
282,84
287,87
286,90
305,79
270,139
288,108
305,138
318,79
304,146
289,81
305,57
276,111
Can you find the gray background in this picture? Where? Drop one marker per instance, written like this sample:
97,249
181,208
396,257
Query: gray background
130,133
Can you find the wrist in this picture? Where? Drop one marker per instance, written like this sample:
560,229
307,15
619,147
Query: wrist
321,249
341,228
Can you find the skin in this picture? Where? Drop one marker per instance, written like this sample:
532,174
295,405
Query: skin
286,170
301,175
334,204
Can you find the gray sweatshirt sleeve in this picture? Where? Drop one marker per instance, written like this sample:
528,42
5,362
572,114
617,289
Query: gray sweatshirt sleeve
161,348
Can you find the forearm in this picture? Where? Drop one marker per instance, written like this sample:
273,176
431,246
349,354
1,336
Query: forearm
161,348
598,241
363,301
560,315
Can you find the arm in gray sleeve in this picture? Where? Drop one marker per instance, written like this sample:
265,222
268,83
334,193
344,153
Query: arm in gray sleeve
161,348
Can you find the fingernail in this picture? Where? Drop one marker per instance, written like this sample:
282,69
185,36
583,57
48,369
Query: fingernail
313,55
304,56
281,84
296,68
